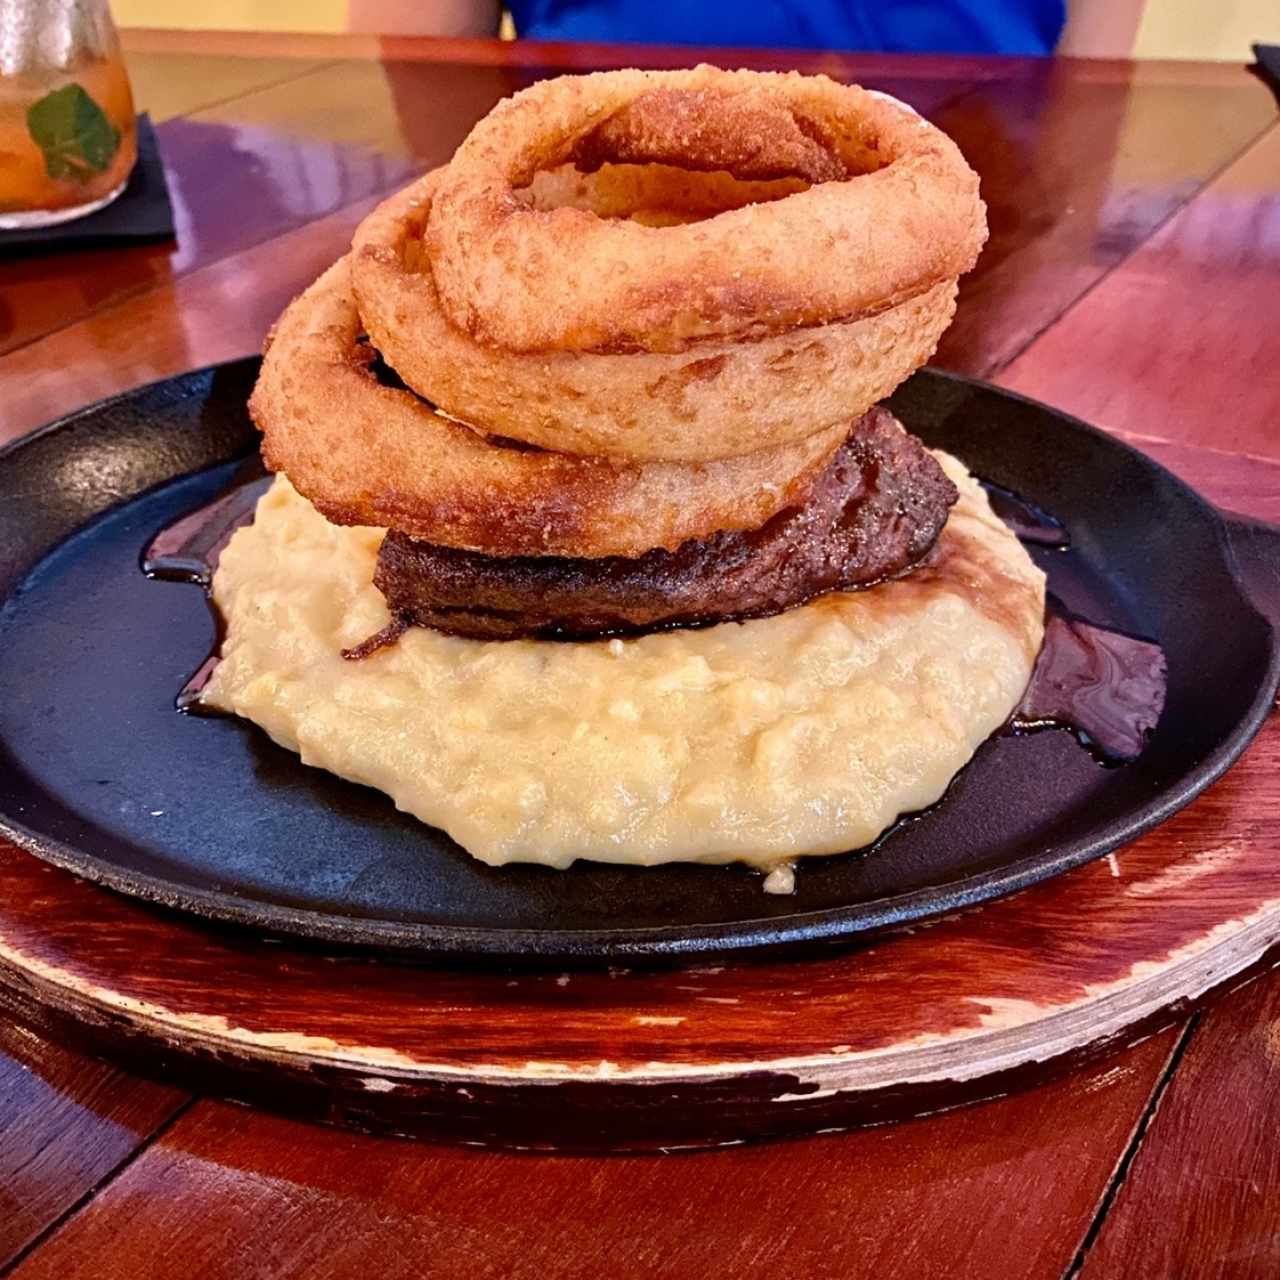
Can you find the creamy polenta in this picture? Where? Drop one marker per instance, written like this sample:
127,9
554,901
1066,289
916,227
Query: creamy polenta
806,733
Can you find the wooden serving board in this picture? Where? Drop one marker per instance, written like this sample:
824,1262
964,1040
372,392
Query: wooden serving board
717,1053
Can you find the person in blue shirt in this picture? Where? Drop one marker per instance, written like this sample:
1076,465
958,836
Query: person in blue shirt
926,26
933,26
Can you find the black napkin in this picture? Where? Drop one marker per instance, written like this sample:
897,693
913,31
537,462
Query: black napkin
1267,66
140,212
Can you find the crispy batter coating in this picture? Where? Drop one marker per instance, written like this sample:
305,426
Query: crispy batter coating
753,136
369,454
716,400
905,218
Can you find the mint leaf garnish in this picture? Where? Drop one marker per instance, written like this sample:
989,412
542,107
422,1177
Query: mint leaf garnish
74,133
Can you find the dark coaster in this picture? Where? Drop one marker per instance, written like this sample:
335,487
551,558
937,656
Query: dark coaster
141,213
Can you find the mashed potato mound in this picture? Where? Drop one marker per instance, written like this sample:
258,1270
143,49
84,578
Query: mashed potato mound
806,733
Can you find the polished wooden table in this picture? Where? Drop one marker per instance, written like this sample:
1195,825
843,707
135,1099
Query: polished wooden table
1132,277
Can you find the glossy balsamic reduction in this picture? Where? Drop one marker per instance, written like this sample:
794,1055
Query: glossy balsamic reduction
1104,686
1031,524
188,551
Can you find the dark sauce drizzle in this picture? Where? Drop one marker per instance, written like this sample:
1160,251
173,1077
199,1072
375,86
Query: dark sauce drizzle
1101,684
188,550
1105,687
1030,523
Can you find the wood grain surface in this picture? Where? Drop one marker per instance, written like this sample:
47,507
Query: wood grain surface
1077,175
1006,1189
179,83
66,1124
1204,1195
1188,324
229,1192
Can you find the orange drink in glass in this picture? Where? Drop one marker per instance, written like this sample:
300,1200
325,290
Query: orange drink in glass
68,134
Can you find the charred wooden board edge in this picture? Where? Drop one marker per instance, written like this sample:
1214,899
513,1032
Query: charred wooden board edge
589,1106
572,1117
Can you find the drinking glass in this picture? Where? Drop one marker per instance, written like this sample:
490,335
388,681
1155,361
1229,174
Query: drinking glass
68,134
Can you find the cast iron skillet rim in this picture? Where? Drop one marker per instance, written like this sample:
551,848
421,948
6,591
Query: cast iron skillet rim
70,419
657,942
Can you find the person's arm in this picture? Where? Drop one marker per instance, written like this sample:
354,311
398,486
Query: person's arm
1101,28
425,17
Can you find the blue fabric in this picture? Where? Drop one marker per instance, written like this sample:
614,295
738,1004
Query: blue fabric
940,26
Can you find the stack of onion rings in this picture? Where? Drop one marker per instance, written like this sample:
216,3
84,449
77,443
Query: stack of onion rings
615,369
369,454
636,308
713,400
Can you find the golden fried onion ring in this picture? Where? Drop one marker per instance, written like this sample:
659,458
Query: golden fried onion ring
524,279
717,400
369,454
